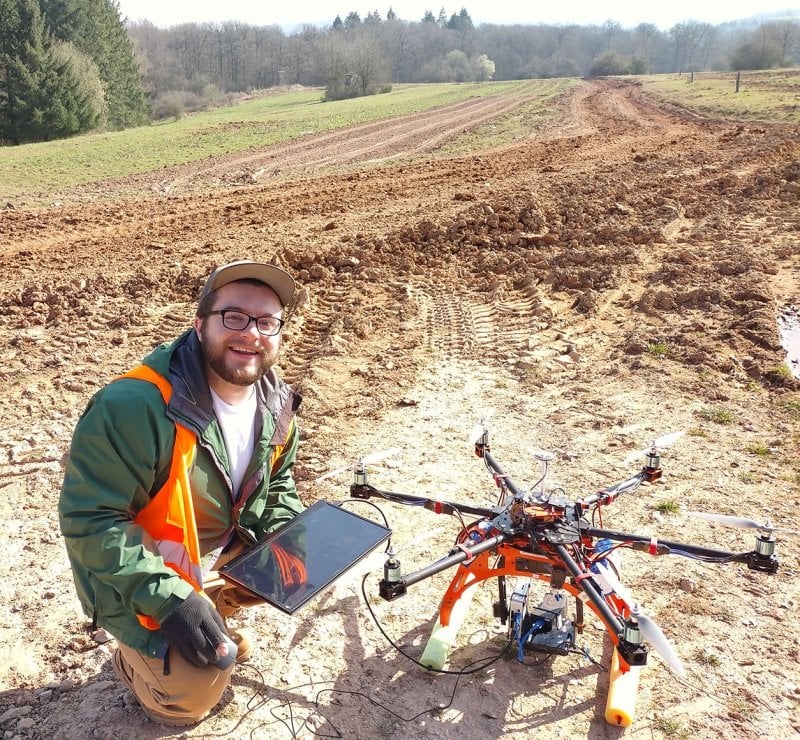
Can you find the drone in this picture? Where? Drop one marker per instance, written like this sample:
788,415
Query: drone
542,535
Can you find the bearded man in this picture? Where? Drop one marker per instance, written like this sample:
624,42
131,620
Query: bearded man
174,469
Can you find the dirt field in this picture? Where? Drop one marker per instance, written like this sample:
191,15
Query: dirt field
617,276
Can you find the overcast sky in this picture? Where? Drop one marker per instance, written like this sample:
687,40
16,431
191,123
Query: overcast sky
288,15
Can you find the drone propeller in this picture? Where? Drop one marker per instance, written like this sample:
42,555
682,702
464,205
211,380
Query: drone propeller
660,443
371,459
480,427
649,629
741,522
379,456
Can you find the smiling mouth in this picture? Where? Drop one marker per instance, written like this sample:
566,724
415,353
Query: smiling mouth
244,351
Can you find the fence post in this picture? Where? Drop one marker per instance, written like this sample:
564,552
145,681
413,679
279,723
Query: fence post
738,77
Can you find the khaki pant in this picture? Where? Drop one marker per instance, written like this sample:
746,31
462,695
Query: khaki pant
188,693
183,697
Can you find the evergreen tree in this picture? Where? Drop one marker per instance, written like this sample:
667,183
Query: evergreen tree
460,22
352,20
96,29
40,97
66,19
106,42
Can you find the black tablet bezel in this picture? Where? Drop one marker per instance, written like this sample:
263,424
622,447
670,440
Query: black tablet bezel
372,534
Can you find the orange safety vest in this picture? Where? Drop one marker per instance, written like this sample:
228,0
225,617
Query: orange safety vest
169,517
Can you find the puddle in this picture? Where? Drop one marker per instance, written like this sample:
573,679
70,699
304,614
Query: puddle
789,328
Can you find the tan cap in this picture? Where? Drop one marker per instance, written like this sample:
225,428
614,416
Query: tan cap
273,277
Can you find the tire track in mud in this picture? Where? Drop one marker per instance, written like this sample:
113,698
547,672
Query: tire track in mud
466,324
318,334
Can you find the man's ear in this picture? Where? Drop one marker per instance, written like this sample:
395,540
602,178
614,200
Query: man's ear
198,327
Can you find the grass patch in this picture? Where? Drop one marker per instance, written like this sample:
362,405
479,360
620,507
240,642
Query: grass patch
740,706
657,349
671,727
754,387
706,658
781,373
759,450
764,95
718,415
254,124
667,507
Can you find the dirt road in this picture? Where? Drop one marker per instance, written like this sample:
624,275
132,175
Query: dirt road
616,276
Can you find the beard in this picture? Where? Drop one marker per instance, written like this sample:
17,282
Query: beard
216,355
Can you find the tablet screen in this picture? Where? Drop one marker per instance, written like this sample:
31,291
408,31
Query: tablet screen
293,564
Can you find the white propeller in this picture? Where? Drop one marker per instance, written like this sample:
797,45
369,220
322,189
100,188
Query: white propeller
379,456
371,459
660,443
741,522
650,630
480,427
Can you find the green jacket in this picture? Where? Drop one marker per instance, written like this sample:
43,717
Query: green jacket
120,456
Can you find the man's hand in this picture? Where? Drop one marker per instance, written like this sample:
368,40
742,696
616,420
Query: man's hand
195,630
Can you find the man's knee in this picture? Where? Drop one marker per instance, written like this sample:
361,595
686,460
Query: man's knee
175,693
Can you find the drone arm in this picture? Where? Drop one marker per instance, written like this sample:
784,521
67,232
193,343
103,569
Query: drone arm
589,587
501,479
642,543
391,590
608,495
365,491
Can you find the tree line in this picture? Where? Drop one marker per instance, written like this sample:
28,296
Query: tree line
190,63
69,66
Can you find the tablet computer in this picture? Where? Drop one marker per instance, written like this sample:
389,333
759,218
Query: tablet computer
294,563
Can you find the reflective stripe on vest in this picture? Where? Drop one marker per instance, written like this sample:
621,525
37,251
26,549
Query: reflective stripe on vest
169,517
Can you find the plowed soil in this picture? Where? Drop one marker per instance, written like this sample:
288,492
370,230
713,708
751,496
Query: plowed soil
616,276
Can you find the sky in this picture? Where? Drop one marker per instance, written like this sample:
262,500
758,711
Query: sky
628,13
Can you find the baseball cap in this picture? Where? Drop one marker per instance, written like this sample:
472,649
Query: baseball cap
273,277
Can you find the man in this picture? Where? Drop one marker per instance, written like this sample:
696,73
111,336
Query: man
175,468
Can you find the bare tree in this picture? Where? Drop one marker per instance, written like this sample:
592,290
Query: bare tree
786,35
692,44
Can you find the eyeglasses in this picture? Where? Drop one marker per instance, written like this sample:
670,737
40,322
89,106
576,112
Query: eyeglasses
234,320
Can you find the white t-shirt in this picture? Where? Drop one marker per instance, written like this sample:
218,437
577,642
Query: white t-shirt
238,430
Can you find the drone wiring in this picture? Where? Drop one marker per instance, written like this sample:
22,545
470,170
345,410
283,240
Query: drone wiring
485,662
732,558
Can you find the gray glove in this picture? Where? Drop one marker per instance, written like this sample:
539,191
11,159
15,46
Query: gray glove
195,629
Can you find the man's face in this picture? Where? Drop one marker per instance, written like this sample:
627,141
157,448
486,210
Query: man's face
239,357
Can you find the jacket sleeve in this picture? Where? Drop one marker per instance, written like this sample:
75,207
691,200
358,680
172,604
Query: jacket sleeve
112,466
